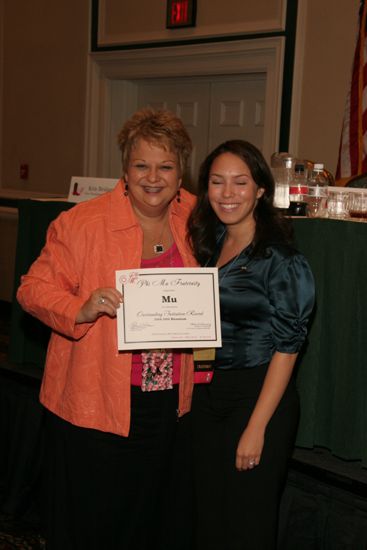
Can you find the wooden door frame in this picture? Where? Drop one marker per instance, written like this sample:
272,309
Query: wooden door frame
221,58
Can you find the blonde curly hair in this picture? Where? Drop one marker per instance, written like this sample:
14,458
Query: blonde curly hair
159,127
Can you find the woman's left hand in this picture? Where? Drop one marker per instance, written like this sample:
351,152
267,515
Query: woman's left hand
249,449
251,443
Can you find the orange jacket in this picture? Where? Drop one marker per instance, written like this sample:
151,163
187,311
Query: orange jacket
86,380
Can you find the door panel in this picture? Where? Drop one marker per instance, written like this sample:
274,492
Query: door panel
213,109
188,98
237,107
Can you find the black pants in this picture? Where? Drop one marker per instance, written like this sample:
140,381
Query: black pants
238,510
107,491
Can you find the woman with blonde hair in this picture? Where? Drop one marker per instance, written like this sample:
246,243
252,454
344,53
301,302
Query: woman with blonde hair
111,417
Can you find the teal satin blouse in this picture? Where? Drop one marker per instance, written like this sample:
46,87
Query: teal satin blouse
265,304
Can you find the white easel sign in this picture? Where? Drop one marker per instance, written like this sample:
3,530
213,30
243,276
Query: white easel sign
82,189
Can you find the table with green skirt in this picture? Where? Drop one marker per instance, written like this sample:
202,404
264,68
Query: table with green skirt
332,370
332,376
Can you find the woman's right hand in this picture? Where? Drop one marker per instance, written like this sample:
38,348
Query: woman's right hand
102,301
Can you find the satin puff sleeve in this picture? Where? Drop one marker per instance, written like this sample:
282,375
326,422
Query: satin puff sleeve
291,296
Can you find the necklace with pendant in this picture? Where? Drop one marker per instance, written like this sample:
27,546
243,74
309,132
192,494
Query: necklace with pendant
233,262
230,266
158,247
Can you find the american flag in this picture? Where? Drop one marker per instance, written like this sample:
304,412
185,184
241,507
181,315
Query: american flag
353,144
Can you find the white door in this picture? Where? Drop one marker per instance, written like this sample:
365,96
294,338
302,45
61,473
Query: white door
191,102
213,109
237,109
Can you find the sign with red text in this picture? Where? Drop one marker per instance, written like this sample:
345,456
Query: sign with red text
82,188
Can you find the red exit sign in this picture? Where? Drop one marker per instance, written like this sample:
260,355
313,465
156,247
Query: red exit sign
181,13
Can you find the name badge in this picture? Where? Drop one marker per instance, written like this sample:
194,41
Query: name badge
204,354
203,365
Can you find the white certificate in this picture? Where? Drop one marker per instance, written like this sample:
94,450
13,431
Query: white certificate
168,308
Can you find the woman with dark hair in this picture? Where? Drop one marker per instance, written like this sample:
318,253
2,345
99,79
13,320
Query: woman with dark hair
244,422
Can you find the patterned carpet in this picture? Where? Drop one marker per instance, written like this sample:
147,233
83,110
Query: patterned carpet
20,534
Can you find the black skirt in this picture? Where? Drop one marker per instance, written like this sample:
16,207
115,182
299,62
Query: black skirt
107,491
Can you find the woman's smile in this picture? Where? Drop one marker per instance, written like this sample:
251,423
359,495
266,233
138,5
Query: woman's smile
232,191
228,207
153,177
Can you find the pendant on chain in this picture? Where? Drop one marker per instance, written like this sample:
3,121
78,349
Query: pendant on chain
158,248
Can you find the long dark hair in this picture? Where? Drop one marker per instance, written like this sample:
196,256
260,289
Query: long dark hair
270,226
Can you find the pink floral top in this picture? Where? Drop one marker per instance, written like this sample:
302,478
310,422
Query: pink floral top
166,361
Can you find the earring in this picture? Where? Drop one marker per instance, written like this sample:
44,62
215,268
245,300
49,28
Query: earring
126,192
178,195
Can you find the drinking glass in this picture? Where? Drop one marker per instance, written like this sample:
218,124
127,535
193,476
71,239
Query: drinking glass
358,205
317,205
337,204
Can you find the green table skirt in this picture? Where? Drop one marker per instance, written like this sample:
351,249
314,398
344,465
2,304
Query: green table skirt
332,377
332,371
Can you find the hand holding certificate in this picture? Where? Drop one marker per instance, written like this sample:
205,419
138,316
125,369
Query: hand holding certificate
168,308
